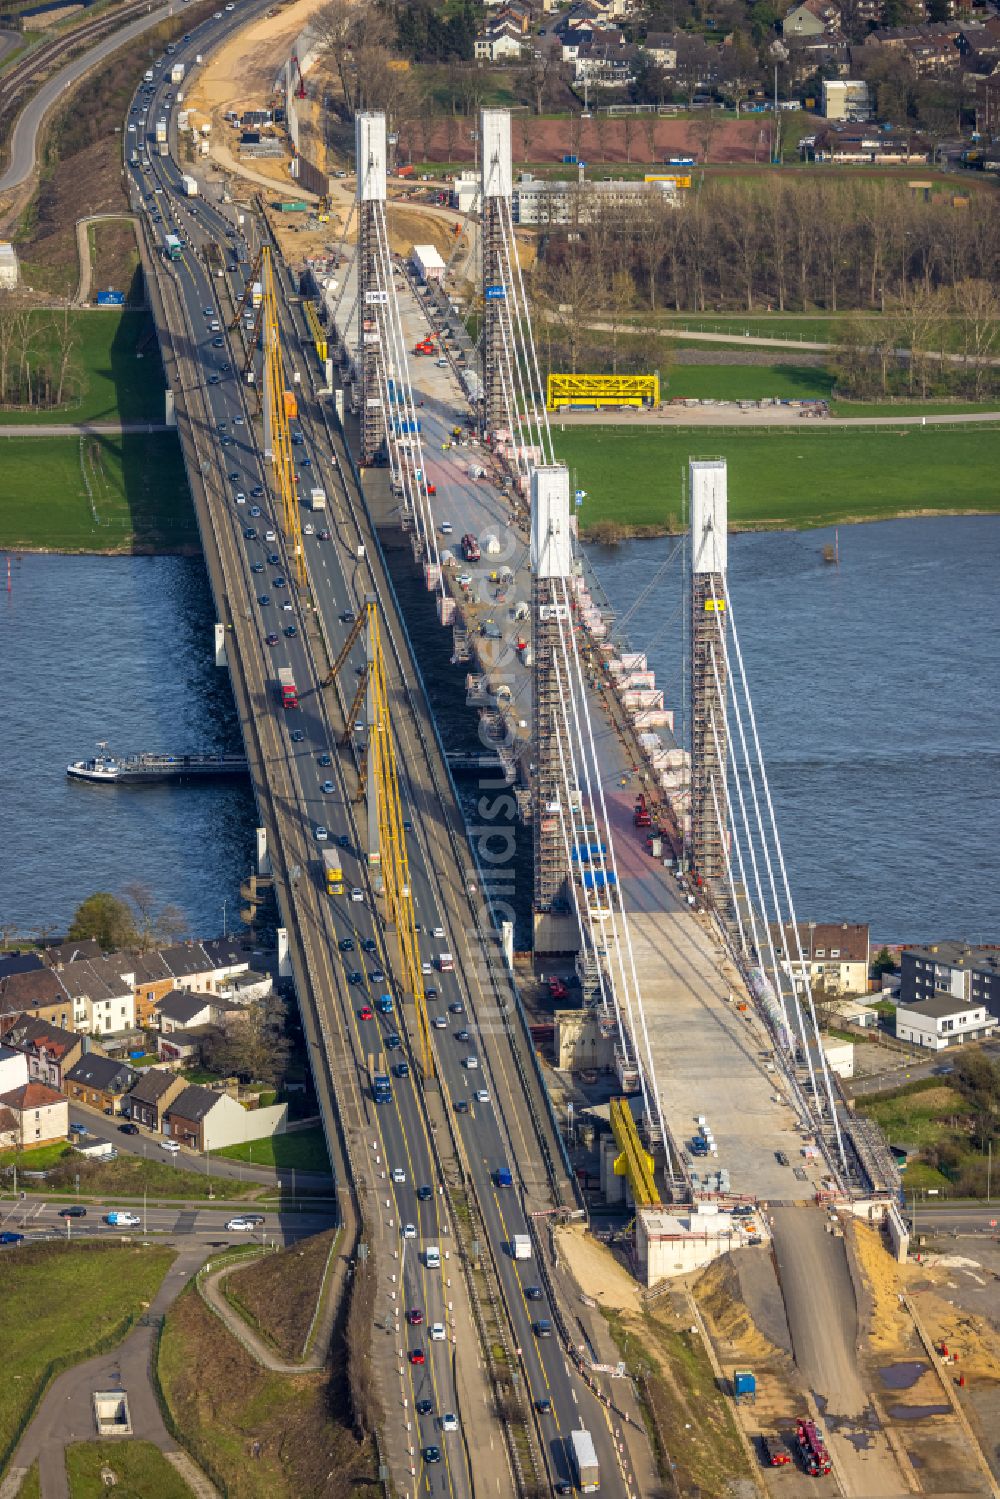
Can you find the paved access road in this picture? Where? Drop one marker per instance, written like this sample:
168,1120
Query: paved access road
24,144
40,1217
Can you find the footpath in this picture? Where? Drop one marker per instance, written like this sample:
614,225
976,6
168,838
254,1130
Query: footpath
66,1414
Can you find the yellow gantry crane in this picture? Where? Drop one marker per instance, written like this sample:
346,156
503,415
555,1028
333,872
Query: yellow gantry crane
274,400
379,785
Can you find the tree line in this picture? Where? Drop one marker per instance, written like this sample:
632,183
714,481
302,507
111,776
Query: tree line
39,368
781,244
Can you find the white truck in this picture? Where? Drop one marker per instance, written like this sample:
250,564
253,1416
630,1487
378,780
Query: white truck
520,1247
317,498
189,186
177,73
584,1455
161,131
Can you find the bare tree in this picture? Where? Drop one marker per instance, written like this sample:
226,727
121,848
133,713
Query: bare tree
977,308
704,129
66,343
141,898
621,300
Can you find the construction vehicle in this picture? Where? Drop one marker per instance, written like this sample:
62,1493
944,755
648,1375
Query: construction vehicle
584,1454
286,688
470,548
423,347
291,405
641,816
812,1449
774,1452
333,872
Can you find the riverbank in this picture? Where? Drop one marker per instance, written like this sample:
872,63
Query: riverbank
780,478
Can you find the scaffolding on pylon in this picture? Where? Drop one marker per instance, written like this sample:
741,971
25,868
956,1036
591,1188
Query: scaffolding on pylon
709,685
497,339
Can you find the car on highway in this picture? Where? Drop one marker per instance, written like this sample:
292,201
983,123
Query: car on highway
366,1013
7,1237
170,1146
393,1041
117,1219
482,1096
255,511
437,1332
272,557
278,582
438,932
461,1106
432,1454
426,968
354,977
324,760
417,1356
346,944
270,536
297,736
415,1317
263,599
256,567
326,788
542,1328
439,1023
533,1293
462,1036
347,617
424,1192
128,1128
424,1407
409,1231
543,1405
323,535
430,992
399,1176
449,1421
241,498
217,343
357,893
75,1210
250,534
471,1063
242,1225
321,833
271,639
402,1069
377,976
456,1007
291,632
308,529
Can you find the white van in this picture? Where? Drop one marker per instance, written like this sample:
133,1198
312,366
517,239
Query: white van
432,1257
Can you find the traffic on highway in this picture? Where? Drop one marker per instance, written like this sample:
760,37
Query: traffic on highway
294,626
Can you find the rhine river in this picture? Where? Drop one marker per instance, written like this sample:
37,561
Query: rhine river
875,684
121,649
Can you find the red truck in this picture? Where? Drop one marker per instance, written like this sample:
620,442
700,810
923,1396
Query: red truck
812,1449
470,548
286,688
640,815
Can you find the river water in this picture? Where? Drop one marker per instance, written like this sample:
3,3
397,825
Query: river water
115,648
876,690
875,685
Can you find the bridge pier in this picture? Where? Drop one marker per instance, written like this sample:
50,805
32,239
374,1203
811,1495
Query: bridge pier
263,853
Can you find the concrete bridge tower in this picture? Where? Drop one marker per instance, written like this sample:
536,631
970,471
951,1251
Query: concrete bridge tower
709,740
369,145
497,182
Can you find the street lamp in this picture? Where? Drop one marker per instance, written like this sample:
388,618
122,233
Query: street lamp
779,54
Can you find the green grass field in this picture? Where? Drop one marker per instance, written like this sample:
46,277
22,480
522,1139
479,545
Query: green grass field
115,384
779,477
95,494
305,1149
36,1160
141,1471
747,382
58,1302
793,327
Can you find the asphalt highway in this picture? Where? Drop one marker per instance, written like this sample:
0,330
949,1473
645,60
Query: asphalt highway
24,143
38,1217
345,936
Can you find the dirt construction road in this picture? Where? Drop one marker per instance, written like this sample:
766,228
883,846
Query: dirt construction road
823,1321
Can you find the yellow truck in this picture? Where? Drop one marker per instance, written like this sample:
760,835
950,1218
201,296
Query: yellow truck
333,872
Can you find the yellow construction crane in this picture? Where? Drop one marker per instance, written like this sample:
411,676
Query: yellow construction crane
379,785
276,400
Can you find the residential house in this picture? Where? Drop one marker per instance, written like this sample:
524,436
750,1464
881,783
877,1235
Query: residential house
36,992
836,955
662,48
604,65
180,1011
151,980
153,1093
245,988
942,1022
811,18
971,974
185,1048
101,992
33,1115
846,99
50,1051
73,951
19,962
988,107
503,43
100,1082
205,1120
831,52
928,56
13,1068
